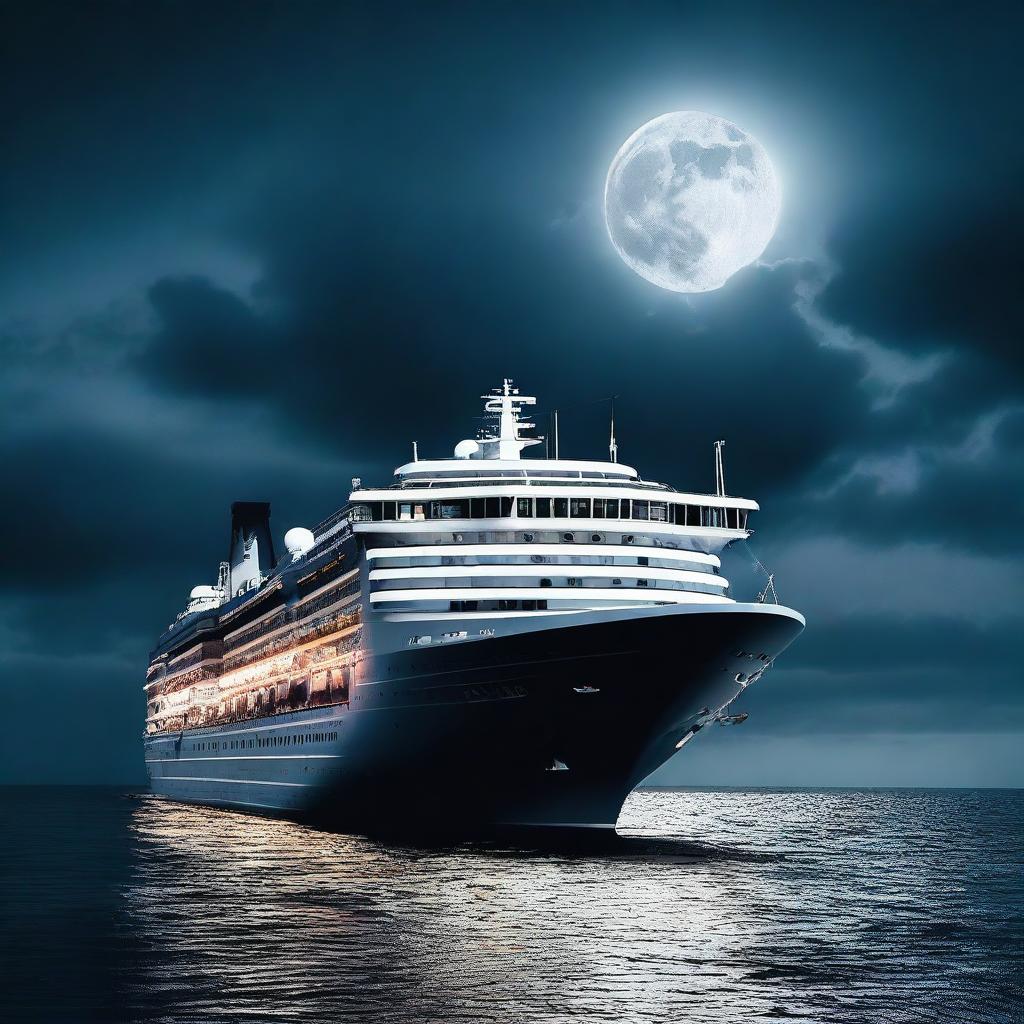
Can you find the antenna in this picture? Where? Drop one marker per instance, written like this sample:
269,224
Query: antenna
719,470
613,448
415,452
769,588
556,433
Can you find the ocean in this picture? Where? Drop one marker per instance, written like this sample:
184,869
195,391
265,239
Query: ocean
714,905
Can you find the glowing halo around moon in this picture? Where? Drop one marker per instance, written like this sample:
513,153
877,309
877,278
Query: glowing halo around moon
690,199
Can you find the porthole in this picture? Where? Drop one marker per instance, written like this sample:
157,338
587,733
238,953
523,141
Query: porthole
596,538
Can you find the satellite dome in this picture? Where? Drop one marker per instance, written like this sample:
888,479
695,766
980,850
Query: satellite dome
466,449
203,592
298,540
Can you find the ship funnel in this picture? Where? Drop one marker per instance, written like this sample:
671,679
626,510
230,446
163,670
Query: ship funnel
252,548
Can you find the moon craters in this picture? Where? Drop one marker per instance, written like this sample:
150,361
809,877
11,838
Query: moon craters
690,198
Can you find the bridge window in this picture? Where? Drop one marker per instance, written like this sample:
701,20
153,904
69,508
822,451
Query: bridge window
497,508
410,511
449,509
559,508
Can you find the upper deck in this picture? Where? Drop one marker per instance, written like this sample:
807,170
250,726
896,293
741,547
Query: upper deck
488,530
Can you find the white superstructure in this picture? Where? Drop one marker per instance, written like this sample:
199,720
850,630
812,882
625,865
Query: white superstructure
491,532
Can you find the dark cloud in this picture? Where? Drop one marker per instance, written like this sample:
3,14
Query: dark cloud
963,492
425,334
210,342
930,269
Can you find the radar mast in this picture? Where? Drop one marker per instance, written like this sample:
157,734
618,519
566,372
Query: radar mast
505,404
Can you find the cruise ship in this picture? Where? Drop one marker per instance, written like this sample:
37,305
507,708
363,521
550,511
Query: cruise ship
489,641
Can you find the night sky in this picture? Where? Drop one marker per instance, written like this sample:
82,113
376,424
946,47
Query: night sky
249,252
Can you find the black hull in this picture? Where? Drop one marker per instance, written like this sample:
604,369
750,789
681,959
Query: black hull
546,728
553,728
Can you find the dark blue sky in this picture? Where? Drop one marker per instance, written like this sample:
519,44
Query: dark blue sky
250,251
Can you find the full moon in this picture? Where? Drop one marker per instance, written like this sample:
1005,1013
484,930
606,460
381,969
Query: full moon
689,200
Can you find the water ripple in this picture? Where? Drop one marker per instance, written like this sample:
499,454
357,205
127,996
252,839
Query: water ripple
711,906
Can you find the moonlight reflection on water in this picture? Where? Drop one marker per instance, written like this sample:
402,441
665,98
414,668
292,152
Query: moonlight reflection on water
830,905
713,906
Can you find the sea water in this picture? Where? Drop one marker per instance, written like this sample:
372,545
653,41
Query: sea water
715,905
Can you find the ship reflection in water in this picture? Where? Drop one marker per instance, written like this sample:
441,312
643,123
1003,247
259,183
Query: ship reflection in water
834,905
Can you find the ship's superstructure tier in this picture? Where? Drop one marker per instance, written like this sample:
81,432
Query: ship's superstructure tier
486,533
289,643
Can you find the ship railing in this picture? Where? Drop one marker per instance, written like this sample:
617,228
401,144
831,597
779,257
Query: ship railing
411,485
768,594
335,527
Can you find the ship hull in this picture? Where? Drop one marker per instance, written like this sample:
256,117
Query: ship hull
548,727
